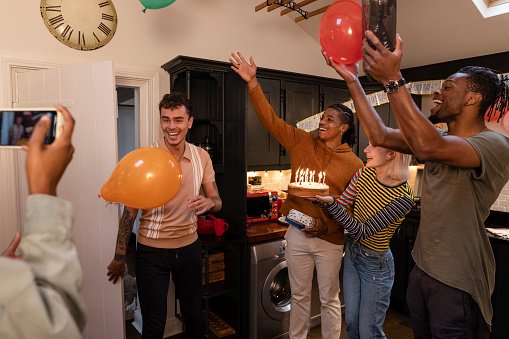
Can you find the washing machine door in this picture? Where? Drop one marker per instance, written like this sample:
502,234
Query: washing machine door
276,293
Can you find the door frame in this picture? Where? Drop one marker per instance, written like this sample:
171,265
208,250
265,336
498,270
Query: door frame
148,84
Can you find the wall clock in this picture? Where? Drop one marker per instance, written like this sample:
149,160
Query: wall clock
80,24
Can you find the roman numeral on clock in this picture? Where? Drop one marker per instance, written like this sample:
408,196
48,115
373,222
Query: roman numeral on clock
96,37
107,17
56,19
67,30
53,8
81,36
104,4
103,28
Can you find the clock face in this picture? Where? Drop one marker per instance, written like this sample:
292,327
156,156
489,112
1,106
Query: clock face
80,24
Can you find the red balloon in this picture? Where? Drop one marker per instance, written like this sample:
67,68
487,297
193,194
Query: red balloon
341,31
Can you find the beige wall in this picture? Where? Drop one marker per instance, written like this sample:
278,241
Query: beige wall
208,29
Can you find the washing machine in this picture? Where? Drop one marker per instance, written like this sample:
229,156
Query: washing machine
270,294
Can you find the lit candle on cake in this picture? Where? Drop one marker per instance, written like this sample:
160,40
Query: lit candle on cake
320,177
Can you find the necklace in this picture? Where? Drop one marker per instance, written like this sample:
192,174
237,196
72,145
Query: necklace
484,127
179,158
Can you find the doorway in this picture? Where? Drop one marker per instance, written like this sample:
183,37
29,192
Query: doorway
128,131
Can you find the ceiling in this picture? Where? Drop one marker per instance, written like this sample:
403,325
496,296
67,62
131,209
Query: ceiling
434,31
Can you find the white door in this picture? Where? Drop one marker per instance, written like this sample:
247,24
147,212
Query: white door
88,91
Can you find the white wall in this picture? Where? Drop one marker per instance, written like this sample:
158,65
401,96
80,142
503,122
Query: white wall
144,41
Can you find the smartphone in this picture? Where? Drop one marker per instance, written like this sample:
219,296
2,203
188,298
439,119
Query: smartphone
17,125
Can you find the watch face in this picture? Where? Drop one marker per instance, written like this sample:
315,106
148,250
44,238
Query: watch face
81,24
391,87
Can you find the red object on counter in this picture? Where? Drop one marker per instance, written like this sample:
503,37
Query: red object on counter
262,205
207,226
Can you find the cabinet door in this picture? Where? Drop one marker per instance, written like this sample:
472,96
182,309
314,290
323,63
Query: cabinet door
333,95
263,147
302,101
384,111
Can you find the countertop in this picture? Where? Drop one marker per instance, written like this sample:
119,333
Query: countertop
266,230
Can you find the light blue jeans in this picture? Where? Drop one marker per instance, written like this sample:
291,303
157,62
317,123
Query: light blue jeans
368,277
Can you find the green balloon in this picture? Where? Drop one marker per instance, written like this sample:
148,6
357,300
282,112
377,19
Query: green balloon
155,4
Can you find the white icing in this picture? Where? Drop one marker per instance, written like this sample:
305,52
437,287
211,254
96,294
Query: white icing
308,184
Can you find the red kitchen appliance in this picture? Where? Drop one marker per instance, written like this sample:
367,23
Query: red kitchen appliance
262,205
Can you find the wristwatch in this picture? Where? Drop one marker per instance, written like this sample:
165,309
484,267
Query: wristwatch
392,86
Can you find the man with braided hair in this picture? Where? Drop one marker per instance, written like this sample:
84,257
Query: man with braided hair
449,292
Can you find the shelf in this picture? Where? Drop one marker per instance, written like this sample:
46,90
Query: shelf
210,241
221,287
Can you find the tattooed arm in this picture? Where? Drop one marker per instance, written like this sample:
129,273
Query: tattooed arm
211,202
117,265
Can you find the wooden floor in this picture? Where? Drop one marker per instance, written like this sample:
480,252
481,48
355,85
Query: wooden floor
396,326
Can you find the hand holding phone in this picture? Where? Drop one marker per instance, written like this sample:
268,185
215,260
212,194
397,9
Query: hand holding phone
46,163
17,125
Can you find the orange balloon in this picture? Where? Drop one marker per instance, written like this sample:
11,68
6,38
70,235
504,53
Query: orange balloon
145,178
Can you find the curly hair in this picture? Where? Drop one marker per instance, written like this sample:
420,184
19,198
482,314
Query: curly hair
346,115
493,89
175,100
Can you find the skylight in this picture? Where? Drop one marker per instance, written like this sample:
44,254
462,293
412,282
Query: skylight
489,8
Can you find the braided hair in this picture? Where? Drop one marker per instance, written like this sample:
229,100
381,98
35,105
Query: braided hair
494,88
346,115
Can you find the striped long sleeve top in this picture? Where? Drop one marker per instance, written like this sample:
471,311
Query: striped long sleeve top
378,209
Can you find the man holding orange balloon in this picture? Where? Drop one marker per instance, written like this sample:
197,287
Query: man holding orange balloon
167,237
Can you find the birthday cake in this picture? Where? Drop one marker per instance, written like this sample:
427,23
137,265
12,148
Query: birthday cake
307,189
305,185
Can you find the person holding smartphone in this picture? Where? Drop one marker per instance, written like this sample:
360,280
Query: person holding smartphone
40,295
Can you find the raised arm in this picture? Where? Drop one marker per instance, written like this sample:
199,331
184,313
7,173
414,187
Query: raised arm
378,134
288,136
420,134
247,71
116,267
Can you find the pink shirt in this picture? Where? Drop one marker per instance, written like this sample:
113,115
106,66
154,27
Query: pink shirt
173,225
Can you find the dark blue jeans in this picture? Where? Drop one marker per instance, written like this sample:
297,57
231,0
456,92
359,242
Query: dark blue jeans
153,268
368,277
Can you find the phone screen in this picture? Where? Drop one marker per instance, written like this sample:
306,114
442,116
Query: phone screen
17,125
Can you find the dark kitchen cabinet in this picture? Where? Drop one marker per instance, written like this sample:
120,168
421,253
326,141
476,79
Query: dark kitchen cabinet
221,292
262,147
302,100
205,89
362,142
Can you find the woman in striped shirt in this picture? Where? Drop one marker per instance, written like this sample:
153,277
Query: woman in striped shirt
381,197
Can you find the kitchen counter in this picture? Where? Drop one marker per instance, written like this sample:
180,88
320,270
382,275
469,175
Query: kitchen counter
266,230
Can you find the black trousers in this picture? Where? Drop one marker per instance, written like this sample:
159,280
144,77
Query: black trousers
153,268
441,311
